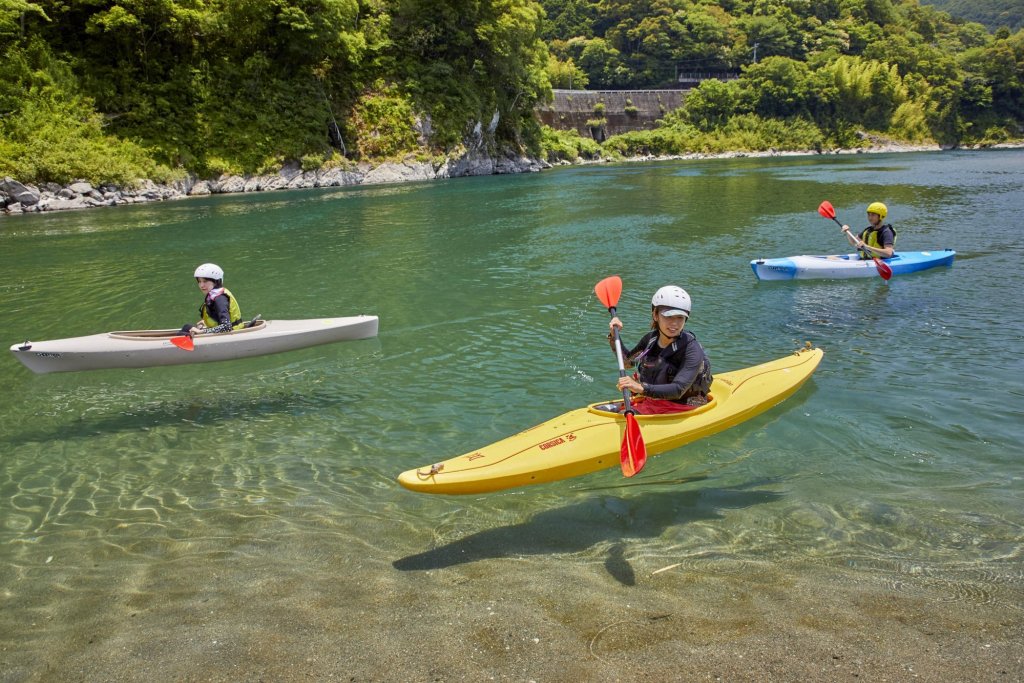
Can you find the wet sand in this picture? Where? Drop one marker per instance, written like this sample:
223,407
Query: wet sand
308,608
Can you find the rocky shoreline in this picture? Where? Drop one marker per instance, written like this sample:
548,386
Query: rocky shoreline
17,198
20,198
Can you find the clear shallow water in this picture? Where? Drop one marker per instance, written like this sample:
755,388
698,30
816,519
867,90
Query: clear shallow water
899,462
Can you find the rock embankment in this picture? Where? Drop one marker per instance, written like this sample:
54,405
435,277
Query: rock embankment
18,198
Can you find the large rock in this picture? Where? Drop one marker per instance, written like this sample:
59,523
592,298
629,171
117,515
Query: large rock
390,172
59,204
337,177
153,193
470,165
80,188
272,182
201,188
290,171
303,181
228,184
26,195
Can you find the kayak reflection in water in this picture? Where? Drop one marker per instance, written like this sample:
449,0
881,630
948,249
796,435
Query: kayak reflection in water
219,311
673,373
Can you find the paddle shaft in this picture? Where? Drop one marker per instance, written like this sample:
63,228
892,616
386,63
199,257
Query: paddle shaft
622,364
633,453
840,224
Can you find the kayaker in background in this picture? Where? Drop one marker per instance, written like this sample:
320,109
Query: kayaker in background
673,371
219,311
878,239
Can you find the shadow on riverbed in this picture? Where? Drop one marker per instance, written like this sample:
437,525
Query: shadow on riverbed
159,414
602,519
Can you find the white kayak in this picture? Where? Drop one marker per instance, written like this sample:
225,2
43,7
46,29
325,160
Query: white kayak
842,266
147,348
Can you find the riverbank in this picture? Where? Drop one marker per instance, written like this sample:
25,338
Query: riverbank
17,198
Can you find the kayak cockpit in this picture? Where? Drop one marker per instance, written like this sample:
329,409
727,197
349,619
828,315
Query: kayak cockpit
614,408
151,335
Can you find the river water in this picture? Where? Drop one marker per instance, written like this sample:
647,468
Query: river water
215,520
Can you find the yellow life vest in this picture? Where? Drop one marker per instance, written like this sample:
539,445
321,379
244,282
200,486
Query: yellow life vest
233,310
870,238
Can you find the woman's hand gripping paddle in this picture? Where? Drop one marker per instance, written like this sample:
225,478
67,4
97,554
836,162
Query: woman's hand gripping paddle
634,453
183,342
827,211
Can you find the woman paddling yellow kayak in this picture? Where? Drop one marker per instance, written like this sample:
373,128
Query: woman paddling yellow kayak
604,435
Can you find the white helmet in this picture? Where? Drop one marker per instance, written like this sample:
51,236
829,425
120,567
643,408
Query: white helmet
675,298
210,271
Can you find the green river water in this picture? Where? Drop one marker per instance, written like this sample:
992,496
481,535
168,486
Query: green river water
212,522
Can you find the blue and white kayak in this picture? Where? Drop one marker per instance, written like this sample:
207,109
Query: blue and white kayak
842,266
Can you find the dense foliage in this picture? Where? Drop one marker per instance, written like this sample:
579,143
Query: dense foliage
839,66
114,90
110,90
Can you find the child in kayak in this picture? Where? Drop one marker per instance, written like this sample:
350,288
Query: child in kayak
673,371
219,311
878,239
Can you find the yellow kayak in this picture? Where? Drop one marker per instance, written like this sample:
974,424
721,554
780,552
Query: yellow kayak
586,440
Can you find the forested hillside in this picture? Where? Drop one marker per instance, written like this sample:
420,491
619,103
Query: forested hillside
113,90
109,89
992,13
813,74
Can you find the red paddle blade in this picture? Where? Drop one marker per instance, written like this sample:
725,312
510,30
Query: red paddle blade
827,210
184,343
608,291
634,452
883,269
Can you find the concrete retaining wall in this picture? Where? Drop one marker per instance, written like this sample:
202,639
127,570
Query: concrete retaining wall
624,110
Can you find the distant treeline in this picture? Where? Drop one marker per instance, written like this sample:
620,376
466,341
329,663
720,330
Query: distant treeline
829,69
113,90
994,14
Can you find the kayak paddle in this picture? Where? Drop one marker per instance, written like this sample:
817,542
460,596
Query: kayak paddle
633,455
183,342
827,211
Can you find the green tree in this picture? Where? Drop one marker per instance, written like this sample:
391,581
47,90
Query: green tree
566,75
711,104
569,19
13,14
776,87
602,63
775,34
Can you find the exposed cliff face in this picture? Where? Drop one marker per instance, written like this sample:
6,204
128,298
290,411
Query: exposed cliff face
602,113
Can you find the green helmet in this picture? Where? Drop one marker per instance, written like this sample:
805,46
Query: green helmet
879,208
